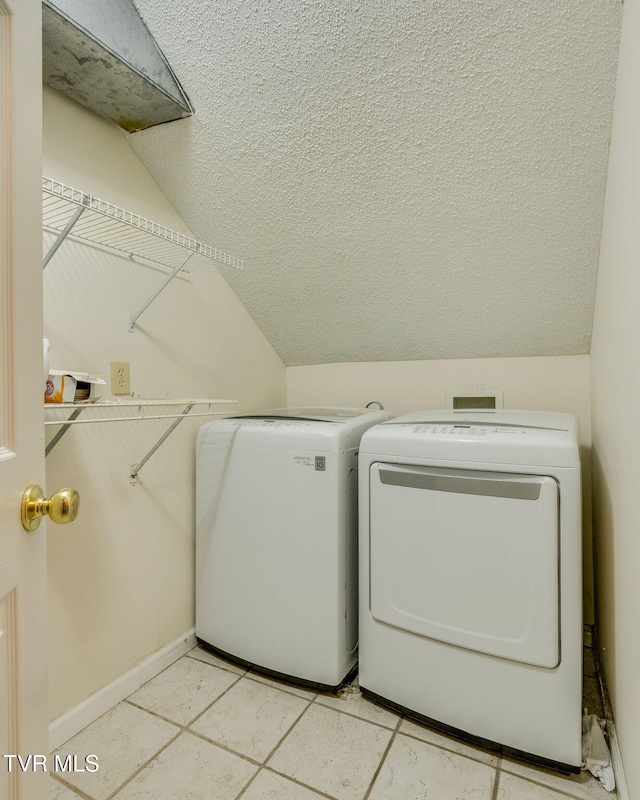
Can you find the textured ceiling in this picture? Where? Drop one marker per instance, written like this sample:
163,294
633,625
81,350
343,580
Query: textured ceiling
405,179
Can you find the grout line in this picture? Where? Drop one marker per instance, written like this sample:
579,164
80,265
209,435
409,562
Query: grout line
249,782
291,727
152,713
204,737
181,729
262,766
167,719
145,764
186,728
70,786
362,719
496,781
213,702
299,783
248,758
565,792
449,749
410,735
379,767
315,699
256,677
224,747
223,665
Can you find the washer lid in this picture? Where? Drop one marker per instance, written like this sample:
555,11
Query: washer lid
322,429
316,414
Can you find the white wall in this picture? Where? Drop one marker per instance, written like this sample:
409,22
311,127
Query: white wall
615,358
121,577
544,384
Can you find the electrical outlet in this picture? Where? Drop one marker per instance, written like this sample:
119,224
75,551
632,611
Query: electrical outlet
120,380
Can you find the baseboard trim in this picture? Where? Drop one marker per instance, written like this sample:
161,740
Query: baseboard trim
75,719
616,761
614,747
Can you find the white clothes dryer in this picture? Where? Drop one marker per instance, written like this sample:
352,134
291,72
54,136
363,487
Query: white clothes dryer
471,577
276,540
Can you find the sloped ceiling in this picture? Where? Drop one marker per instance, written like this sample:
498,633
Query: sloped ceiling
405,179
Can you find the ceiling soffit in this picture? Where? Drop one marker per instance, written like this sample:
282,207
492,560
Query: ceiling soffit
103,56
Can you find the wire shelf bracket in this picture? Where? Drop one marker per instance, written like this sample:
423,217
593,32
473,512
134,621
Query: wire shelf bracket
167,281
141,406
63,235
133,477
69,211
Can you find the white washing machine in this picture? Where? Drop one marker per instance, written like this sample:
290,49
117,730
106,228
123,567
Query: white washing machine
471,577
276,540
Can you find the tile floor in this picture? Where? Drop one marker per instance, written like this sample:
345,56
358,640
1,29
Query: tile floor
205,729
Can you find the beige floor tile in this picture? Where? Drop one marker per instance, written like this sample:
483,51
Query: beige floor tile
251,718
123,739
447,742
584,785
414,770
309,694
59,792
201,654
332,752
190,768
513,788
183,690
350,701
269,786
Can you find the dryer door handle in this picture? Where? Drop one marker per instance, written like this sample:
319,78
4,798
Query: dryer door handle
490,484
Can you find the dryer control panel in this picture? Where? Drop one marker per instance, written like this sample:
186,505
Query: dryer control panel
519,439
468,430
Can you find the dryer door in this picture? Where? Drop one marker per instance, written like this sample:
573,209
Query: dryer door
467,557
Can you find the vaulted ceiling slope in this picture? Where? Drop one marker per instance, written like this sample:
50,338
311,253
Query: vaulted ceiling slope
405,179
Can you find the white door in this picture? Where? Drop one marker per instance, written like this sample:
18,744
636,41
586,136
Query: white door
467,557
23,643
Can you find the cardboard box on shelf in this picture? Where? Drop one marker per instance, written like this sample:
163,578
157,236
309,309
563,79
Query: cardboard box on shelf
71,387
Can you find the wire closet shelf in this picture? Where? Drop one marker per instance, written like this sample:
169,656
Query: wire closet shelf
132,409
98,221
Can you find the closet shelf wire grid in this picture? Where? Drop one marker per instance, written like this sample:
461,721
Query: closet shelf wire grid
109,225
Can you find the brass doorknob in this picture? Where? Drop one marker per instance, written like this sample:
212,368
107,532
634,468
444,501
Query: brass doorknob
62,507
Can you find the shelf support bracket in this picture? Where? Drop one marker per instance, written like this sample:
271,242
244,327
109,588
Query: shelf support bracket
169,278
133,477
65,427
63,235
